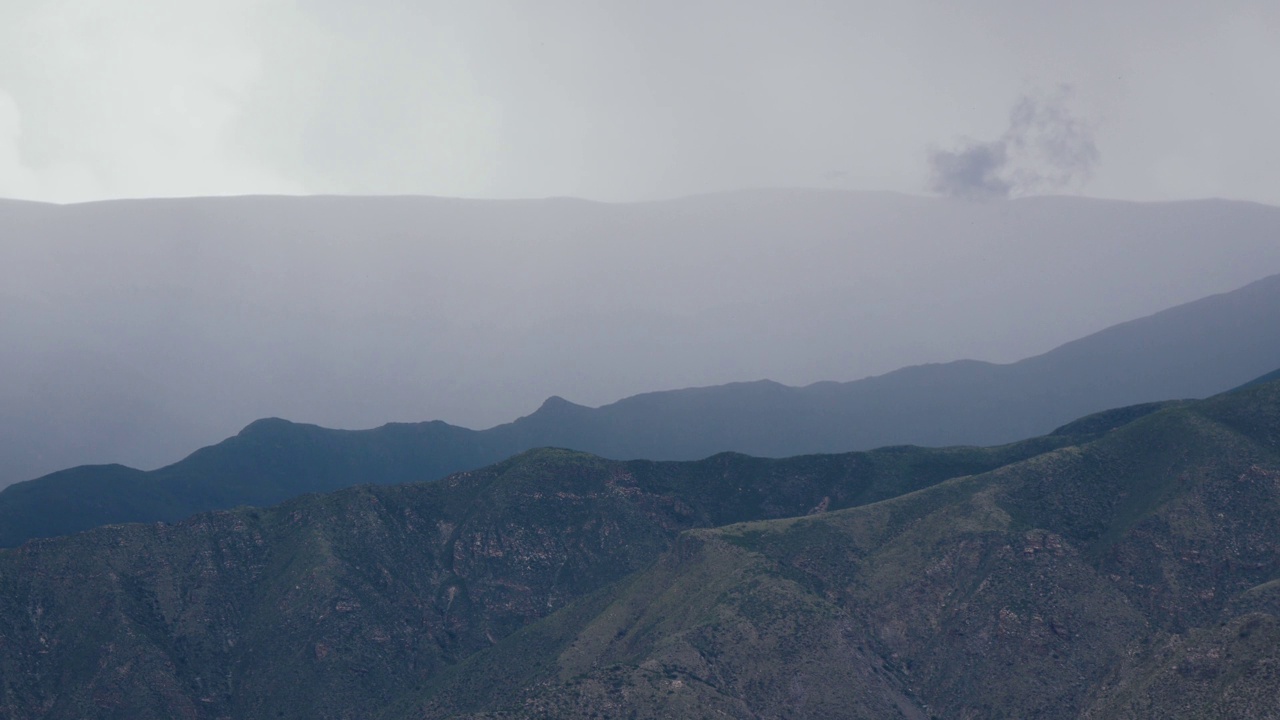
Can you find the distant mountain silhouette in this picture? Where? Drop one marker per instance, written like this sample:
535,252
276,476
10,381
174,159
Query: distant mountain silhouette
1193,350
1269,377
133,331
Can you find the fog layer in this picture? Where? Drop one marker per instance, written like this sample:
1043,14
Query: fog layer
135,331
621,100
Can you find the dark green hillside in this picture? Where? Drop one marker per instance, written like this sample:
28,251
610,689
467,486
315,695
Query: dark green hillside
273,460
1135,576
266,463
1127,571
335,605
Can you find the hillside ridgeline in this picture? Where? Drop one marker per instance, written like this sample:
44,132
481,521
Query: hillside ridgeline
1192,350
1126,571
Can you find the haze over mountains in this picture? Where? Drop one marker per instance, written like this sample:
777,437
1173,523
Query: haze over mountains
1125,568
133,331
569,360
1193,350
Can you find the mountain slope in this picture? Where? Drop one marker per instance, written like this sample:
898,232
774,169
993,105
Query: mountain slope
333,605
1133,573
267,462
273,460
133,331
1193,350
1131,577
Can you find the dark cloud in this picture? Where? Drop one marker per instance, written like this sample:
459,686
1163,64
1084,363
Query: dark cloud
1045,148
973,171
632,101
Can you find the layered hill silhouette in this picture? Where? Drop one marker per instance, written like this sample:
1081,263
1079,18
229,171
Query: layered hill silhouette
1128,572
134,331
1193,350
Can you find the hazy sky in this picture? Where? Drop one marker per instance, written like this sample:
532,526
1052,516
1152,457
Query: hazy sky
1138,99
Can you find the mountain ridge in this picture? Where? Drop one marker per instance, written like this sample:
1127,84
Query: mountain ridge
1196,349
1084,361
135,331
475,556
1033,590
1058,577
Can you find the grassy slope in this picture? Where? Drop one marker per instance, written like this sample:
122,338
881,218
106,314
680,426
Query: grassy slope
1041,579
1134,576
333,605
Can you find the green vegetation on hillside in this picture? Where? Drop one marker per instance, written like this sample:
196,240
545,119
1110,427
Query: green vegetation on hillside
1133,576
336,604
1128,570
273,460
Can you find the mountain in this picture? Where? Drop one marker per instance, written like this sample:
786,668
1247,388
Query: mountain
133,331
268,462
1134,576
1132,573
1269,377
332,605
1192,350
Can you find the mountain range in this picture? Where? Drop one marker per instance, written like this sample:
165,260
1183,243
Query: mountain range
1193,350
1127,566
134,331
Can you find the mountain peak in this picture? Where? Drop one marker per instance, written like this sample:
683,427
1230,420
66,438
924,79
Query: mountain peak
555,403
265,425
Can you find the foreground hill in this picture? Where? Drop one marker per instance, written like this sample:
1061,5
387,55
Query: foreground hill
1192,350
335,605
1133,574
133,331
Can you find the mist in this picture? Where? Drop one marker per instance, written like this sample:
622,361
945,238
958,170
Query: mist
137,331
738,190
627,101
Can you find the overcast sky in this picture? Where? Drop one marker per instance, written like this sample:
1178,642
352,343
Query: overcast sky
1136,99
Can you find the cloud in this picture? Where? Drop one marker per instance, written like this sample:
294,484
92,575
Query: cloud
129,99
11,170
18,179
615,101
1045,148
974,170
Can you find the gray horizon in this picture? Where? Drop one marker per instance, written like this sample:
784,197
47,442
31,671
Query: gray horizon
1123,100
721,191
139,330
